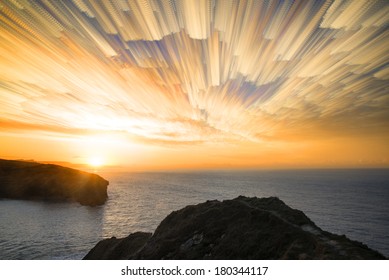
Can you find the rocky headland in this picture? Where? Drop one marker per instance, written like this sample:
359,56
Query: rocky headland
242,228
36,181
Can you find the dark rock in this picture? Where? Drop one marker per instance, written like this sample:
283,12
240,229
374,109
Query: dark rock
242,228
31,180
118,248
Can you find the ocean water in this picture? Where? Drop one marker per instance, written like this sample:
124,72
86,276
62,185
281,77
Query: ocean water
350,202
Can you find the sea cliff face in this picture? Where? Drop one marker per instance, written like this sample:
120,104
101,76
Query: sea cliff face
36,181
242,228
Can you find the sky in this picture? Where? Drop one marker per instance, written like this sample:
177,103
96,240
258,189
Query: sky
195,84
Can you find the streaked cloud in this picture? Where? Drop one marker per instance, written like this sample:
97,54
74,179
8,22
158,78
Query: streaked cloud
168,72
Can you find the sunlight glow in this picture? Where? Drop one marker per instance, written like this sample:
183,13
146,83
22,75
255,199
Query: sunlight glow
212,83
96,161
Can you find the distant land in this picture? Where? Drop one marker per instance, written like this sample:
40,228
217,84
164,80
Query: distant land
36,181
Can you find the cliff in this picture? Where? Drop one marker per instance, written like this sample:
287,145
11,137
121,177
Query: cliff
242,228
31,180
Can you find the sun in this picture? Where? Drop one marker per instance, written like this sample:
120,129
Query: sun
96,161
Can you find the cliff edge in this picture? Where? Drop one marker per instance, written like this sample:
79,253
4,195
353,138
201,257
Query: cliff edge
242,228
36,181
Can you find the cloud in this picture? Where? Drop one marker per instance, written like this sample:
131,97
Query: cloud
194,72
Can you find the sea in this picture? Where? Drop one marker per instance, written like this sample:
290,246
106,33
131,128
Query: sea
354,202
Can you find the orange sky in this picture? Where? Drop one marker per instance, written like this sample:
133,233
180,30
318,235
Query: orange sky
189,85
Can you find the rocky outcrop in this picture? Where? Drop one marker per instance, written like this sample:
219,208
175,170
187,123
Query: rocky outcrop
242,228
119,248
31,180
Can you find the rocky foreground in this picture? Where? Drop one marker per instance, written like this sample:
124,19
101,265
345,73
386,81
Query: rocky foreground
36,181
242,228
